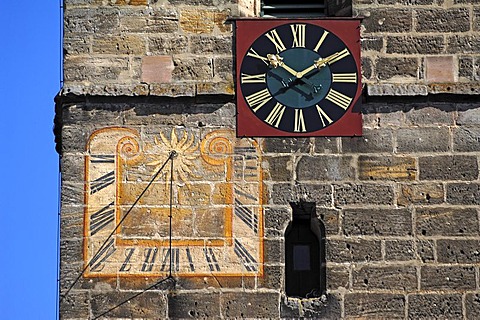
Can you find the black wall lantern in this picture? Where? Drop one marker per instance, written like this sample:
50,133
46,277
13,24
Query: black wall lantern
305,274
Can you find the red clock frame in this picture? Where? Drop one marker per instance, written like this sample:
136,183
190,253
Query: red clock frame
247,30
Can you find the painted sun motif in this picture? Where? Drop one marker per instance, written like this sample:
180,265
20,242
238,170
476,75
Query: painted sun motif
185,148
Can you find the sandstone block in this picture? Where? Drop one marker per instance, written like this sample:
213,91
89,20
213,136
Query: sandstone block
447,278
379,305
325,168
280,168
383,222
194,305
391,277
443,20
353,250
373,140
148,305
283,193
388,68
286,145
472,306
421,193
466,139
382,20
239,305
440,69
362,194
420,139
446,222
434,306
415,45
458,251
157,69
386,168
399,250
457,167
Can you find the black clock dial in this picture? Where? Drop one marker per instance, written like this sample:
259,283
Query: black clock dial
299,77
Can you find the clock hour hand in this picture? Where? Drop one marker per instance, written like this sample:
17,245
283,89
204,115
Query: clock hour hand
276,61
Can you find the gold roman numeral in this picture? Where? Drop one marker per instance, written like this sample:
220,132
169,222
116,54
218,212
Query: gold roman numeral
344,77
275,38
299,125
323,116
339,99
298,32
322,38
252,53
252,78
258,99
341,55
275,115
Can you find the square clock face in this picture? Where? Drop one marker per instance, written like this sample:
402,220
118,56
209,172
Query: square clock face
199,213
298,77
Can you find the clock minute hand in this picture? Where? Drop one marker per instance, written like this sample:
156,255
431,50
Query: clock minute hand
320,63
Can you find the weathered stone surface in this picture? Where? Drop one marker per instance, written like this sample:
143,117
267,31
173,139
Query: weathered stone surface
446,221
337,277
325,168
463,193
194,305
313,308
458,251
353,250
374,305
415,44
239,305
399,250
422,140
192,69
208,44
203,21
274,251
362,194
443,20
447,278
434,306
435,113
468,114
386,168
472,306
381,20
426,250
388,68
283,193
466,139
421,193
391,277
372,43
286,145
456,167
385,222
397,89
75,306
280,168
330,219
464,44
372,140
276,221
326,145
168,44
126,44
148,305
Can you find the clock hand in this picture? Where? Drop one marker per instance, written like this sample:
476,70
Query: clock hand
318,64
276,61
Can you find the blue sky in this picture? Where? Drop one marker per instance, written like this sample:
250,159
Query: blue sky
29,81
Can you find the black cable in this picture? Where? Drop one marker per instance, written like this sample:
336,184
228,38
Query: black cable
171,155
132,297
170,214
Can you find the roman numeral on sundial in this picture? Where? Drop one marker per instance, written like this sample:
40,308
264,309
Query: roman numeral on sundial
249,262
150,256
175,260
211,259
102,158
97,262
102,182
102,218
246,215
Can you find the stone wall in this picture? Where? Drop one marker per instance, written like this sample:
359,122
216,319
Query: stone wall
184,48
400,205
